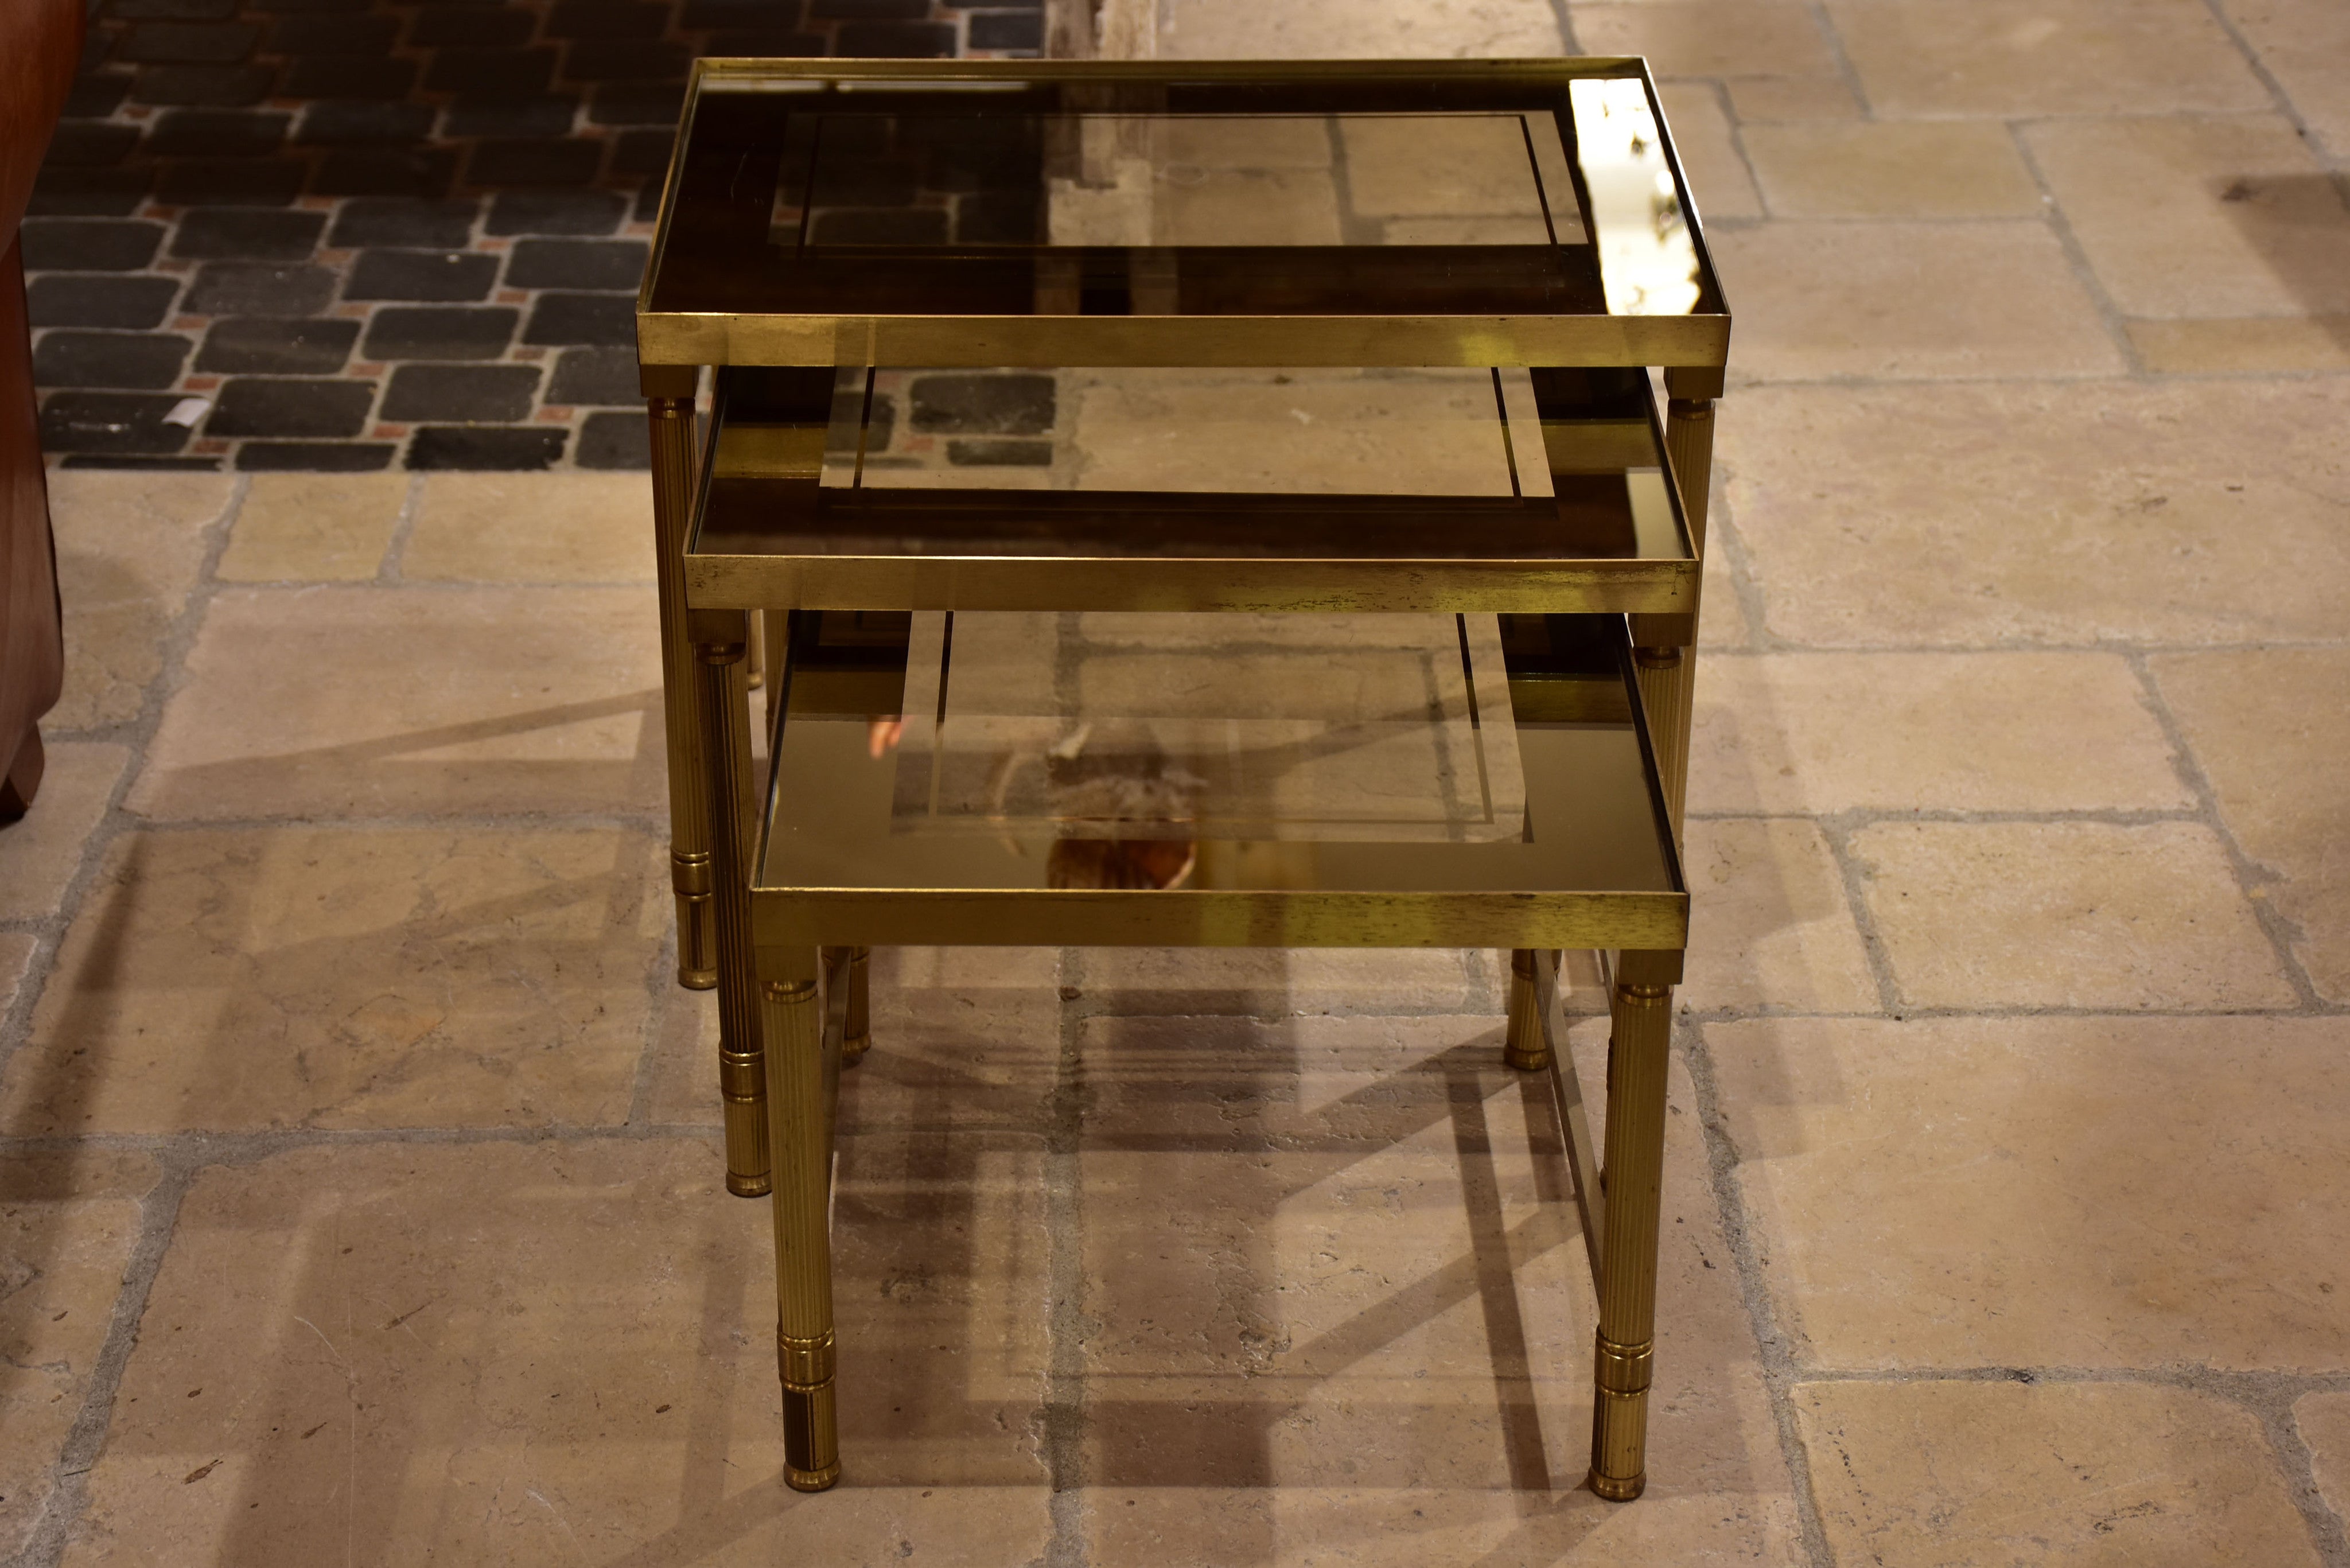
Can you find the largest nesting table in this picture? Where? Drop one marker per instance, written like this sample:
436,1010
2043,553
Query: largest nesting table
1019,695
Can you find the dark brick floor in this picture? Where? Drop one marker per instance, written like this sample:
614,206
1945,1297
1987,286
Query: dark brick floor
353,234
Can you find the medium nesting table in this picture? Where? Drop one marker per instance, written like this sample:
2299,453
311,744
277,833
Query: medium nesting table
1179,505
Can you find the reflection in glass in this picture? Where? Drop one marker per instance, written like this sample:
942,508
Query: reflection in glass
1647,262
1140,727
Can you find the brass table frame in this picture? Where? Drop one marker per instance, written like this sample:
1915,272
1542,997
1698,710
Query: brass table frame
778,1100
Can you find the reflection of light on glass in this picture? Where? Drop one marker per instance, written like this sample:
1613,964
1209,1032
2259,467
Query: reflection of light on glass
1647,263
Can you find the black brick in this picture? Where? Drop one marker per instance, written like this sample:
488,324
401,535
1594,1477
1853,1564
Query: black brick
614,440
880,227
294,6
625,60
1007,30
339,123
261,406
547,115
485,447
700,16
87,244
244,232
257,288
628,104
647,208
262,346
605,19
144,361
444,332
595,376
172,10
219,87
117,422
896,40
426,225
515,72
331,34
187,43
90,192
421,275
576,263
73,299
557,213
314,457
641,153
216,133
868,10
593,319
96,97
419,172
984,404
470,27
1000,453
496,164
81,145
349,76
474,394
229,182
768,42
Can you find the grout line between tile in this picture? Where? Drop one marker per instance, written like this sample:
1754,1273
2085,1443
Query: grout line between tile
1771,1338
2076,256
1070,1328
2252,878
158,1217
395,551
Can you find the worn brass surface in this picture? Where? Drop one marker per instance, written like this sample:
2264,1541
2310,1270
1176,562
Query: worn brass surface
857,1030
672,421
800,1120
1634,1174
1664,680
718,676
1688,441
1525,1043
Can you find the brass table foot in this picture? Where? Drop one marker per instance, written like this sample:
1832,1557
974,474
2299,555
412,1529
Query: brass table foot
1615,1490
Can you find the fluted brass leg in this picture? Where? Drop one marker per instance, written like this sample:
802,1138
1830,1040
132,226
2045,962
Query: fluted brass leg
858,1034
689,781
742,1074
1688,446
1628,1277
1663,674
800,1119
1524,1045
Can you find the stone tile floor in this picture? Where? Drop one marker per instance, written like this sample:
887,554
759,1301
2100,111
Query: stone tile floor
359,1179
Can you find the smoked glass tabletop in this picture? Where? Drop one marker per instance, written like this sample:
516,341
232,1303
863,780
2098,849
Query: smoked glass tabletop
1314,212
1188,488
1098,777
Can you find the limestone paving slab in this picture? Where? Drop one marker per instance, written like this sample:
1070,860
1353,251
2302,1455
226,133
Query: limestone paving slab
2269,729
16,950
2042,512
40,851
1709,37
1824,733
2013,58
67,1223
1701,133
1914,301
2202,216
222,979
375,702
1892,169
1355,30
1331,1277
1770,928
2108,1192
2306,45
559,1352
2065,914
532,528
2237,345
313,528
1913,1474
129,547
2324,1421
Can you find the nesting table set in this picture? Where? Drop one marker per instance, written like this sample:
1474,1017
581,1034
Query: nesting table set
1213,505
